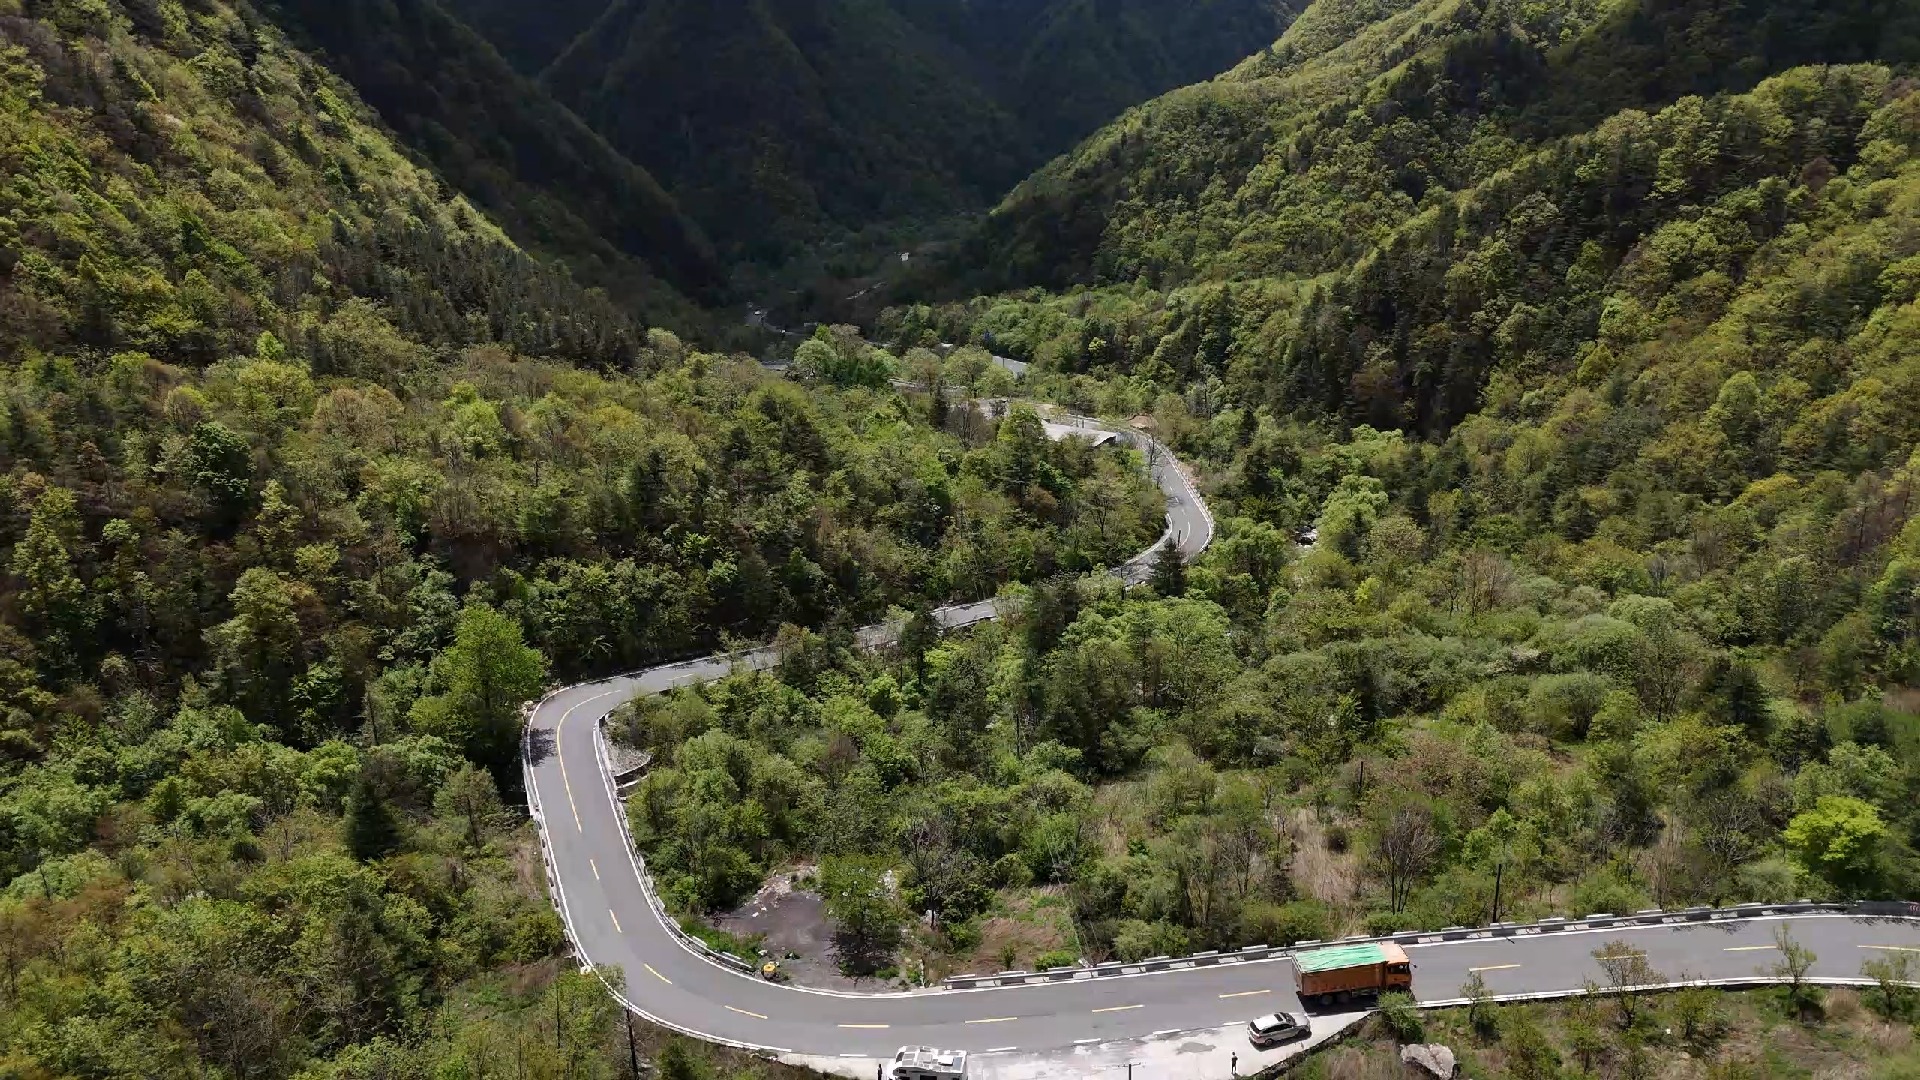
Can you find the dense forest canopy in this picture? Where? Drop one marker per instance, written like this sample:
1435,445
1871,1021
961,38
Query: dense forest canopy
311,478
780,124
497,137
1590,402
1552,370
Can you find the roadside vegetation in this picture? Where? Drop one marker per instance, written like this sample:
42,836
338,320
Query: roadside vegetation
309,479
1561,431
1687,1034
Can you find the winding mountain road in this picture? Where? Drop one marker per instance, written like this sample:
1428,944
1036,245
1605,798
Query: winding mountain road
614,920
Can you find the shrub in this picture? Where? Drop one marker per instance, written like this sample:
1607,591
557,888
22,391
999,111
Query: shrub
1389,922
963,936
1010,872
1284,924
1337,838
1563,706
1137,940
1607,891
1056,958
1402,1019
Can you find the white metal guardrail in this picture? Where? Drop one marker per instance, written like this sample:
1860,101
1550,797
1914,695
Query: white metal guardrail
1555,925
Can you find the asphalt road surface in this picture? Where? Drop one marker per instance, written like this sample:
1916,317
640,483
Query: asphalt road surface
607,904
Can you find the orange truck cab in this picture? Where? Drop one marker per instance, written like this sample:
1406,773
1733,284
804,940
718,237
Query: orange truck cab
1342,973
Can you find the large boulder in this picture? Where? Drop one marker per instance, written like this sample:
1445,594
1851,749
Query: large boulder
1432,1059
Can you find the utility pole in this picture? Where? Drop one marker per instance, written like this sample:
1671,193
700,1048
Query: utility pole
633,1055
1130,1066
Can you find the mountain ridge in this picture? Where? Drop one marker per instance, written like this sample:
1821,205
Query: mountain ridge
780,124
493,133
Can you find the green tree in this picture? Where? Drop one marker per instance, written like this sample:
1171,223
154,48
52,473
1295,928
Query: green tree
866,916
1732,694
372,831
1169,575
1480,1013
220,463
1791,965
1699,1014
486,674
1840,841
258,652
53,601
470,797
1530,1054
1627,970
1892,974
1492,844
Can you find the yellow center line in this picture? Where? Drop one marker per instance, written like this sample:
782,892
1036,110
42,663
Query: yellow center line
1495,967
616,921
656,974
994,1020
1750,948
743,1012
596,869
561,755
1892,948
866,1027
1119,1008
1244,993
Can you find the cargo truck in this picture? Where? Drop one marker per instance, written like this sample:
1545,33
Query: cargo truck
1344,972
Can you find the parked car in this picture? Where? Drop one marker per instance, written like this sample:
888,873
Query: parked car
1276,1028
927,1063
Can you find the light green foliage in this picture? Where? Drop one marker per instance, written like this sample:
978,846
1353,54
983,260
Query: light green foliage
1402,1018
866,915
1839,841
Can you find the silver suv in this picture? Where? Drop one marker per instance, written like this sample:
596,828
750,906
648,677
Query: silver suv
1276,1028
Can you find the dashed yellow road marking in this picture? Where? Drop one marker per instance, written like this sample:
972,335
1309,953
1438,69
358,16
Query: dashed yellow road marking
1892,948
1495,967
744,1012
561,755
655,974
1119,1008
1244,993
1750,948
994,1020
596,869
866,1027
616,921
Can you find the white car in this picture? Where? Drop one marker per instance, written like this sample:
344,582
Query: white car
927,1063
1276,1028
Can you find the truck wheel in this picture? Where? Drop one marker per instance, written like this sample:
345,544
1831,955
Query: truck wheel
1326,1000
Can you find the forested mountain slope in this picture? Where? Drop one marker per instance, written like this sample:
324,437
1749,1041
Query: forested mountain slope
766,117
1307,155
1565,473
309,478
1068,66
493,134
530,36
771,118
1568,561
